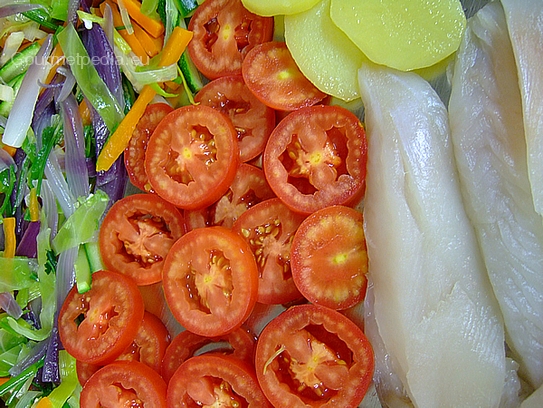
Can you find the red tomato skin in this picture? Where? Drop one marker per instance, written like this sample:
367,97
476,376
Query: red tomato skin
248,188
252,120
131,383
316,157
350,344
192,156
224,31
192,378
148,224
328,257
272,75
223,265
101,336
148,347
134,154
240,344
269,228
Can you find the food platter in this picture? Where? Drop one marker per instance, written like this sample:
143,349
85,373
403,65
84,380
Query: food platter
274,173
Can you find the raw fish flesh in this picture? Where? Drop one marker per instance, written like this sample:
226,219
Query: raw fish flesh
486,119
525,26
434,310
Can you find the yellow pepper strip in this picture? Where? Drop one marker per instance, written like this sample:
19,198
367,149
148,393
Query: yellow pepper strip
9,237
44,402
117,142
34,206
149,24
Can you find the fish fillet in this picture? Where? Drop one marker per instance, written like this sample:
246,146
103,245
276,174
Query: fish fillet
433,305
525,26
486,119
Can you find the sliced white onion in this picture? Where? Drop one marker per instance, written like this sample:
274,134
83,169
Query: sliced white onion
6,93
12,44
23,107
125,17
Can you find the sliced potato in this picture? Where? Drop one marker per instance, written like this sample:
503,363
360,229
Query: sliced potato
402,34
324,54
277,7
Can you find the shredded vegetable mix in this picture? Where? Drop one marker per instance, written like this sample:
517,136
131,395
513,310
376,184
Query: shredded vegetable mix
153,181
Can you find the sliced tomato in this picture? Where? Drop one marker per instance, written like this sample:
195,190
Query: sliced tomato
192,156
248,189
137,234
98,325
224,31
272,75
240,344
252,120
215,381
134,154
316,157
313,356
269,229
124,384
328,257
210,281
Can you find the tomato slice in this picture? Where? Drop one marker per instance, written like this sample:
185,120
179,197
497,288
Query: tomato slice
215,381
148,347
273,77
137,234
269,229
134,154
240,344
224,31
316,157
248,189
252,120
328,257
313,356
192,156
210,281
98,325
124,384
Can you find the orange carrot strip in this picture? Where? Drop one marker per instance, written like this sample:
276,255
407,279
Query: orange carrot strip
10,149
151,45
131,39
10,241
85,113
117,142
57,59
149,24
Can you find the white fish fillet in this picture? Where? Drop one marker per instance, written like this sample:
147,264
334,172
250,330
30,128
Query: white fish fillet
486,118
433,305
525,24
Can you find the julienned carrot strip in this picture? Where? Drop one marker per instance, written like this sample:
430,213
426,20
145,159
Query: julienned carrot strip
85,113
131,39
149,24
9,237
117,142
10,149
56,59
151,45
